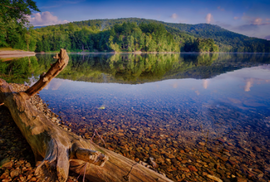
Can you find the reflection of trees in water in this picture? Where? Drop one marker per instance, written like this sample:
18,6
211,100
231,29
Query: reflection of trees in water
130,68
210,65
143,67
133,68
19,70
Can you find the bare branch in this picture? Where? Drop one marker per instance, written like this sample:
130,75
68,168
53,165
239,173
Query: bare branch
45,78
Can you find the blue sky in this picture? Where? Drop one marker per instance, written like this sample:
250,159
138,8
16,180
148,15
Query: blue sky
249,17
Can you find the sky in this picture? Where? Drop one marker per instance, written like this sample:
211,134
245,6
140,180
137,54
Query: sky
248,17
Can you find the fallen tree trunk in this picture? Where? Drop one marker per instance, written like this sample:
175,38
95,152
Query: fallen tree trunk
58,151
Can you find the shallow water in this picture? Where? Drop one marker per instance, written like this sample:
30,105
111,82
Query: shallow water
211,108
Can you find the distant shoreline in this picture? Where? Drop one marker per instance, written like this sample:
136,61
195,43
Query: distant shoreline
136,52
156,52
7,55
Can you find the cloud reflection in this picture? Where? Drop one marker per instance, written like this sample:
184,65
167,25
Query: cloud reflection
55,84
205,83
248,85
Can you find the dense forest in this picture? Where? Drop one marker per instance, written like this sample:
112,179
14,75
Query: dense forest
227,41
126,37
122,35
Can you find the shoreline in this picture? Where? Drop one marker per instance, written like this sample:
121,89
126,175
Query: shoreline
137,52
21,166
156,52
180,158
17,162
7,55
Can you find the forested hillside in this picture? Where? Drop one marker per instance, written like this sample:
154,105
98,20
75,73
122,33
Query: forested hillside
120,37
226,40
129,35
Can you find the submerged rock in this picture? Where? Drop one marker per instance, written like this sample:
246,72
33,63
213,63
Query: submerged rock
6,163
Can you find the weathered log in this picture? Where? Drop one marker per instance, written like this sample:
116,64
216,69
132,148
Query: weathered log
45,78
58,151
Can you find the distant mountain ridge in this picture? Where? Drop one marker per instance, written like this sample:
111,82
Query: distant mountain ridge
226,40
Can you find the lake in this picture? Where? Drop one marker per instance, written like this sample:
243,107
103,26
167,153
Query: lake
193,113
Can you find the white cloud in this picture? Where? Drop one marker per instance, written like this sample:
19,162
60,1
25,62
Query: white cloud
236,18
174,16
257,21
44,18
254,20
209,18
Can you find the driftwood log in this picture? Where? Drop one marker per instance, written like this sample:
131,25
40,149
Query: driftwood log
58,151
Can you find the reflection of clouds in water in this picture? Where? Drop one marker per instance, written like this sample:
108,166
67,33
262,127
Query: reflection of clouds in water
258,72
251,81
248,84
175,85
197,92
31,81
55,84
250,76
205,83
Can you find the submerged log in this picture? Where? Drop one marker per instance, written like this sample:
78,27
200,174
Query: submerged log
58,151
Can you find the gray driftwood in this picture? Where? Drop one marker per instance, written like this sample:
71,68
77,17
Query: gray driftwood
58,151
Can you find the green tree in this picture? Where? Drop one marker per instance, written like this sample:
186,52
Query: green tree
14,18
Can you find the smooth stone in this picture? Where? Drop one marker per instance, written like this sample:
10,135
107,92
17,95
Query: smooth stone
6,163
15,173
192,168
202,143
214,178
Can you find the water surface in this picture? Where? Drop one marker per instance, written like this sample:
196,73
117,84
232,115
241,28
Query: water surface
209,109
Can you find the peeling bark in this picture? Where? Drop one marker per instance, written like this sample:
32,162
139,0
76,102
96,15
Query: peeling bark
58,151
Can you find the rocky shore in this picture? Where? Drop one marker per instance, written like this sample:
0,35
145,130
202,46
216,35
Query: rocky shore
16,158
179,154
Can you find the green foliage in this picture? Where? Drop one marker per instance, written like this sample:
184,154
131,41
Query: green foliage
19,70
205,45
226,40
13,20
126,37
186,35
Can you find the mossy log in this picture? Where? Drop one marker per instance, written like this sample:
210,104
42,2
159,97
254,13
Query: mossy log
58,151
